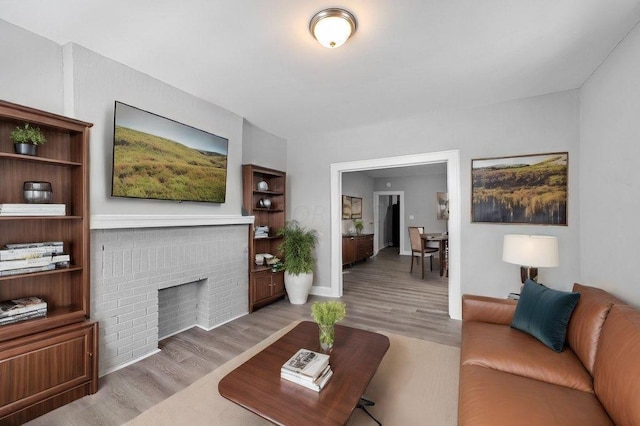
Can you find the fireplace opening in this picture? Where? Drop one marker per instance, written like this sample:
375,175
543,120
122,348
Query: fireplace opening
178,308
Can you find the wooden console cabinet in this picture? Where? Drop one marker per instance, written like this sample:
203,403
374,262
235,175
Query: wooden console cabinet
264,286
356,248
49,361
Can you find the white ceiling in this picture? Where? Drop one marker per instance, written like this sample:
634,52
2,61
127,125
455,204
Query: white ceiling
257,58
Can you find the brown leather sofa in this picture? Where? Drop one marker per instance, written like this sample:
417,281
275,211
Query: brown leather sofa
509,378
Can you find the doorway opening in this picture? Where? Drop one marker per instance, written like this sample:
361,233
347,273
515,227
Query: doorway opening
388,220
452,160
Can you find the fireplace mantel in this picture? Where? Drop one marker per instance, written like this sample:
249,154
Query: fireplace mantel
162,221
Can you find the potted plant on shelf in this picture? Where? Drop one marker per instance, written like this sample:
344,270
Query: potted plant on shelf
26,139
296,247
327,314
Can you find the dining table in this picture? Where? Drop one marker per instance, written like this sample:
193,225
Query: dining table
443,242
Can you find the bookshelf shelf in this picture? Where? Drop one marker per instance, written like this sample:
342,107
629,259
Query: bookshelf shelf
36,274
31,159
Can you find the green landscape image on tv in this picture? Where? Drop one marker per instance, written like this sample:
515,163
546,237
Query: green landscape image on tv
158,158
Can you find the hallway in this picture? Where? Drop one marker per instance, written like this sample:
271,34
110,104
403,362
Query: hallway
402,302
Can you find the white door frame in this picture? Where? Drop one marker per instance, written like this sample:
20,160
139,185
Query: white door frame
376,219
452,158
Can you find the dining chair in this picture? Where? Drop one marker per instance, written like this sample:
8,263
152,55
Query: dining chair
418,249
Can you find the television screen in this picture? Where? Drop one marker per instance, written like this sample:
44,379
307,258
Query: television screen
158,158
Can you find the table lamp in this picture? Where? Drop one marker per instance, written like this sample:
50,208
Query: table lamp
530,252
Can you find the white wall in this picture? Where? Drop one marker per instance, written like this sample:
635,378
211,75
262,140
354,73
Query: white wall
610,176
528,126
30,69
263,148
419,201
358,184
98,82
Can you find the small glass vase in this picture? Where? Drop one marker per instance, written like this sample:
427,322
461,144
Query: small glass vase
326,337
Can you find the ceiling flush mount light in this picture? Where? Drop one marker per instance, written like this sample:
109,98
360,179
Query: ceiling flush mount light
332,27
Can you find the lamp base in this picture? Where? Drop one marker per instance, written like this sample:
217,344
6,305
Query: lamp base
528,273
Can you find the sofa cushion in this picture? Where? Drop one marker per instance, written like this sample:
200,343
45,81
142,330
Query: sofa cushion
491,397
544,313
583,332
617,367
506,349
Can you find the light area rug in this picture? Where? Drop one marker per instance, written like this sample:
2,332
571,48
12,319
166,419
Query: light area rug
416,384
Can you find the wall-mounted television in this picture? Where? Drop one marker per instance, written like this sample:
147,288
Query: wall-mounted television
158,158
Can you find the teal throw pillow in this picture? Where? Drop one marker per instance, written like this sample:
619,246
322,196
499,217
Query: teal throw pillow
544,313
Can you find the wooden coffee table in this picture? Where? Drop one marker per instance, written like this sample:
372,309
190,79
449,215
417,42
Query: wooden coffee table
256,385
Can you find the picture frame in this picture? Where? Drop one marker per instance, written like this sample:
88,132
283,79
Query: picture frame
346,207
356,208
523,189
442,205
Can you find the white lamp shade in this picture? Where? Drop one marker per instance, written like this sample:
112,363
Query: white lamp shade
535,251
332,27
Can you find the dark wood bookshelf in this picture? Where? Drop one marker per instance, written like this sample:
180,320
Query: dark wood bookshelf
265,286
50,361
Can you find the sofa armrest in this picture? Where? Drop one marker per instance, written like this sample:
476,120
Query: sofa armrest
487,309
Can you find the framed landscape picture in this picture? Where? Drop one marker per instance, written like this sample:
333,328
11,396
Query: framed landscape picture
356,208
443,205
527,189
346,207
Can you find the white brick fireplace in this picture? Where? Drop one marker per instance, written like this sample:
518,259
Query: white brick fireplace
129,266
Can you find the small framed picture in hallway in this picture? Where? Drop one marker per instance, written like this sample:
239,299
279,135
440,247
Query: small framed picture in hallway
346,207
356,208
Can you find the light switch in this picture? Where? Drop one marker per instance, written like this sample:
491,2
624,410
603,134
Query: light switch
411,217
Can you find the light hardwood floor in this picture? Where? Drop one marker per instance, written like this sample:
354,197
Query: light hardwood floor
380,295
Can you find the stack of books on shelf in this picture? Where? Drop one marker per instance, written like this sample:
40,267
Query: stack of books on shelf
22,309
307,368
261,232
26,258
32,209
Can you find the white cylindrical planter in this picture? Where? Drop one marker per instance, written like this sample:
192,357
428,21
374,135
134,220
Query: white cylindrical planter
298,287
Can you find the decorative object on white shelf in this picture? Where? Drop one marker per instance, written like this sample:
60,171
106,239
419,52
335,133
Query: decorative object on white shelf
530,252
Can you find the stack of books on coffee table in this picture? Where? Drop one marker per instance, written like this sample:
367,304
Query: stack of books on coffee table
307,368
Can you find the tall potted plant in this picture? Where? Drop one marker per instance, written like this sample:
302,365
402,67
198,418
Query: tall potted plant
26,139
297,247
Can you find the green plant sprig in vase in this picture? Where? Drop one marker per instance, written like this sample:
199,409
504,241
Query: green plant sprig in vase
327,314
359,225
